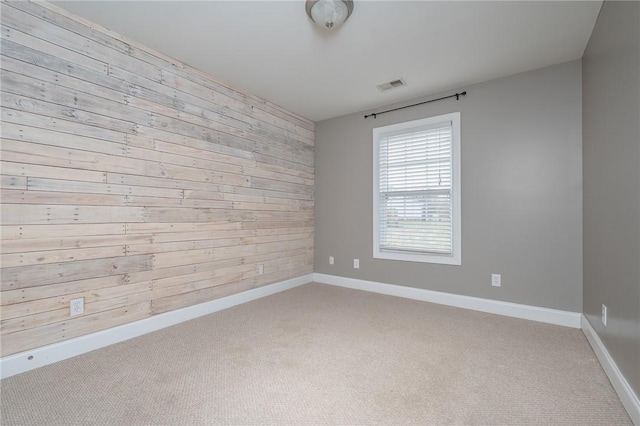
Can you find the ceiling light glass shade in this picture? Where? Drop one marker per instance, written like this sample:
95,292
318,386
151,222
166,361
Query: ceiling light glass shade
329,13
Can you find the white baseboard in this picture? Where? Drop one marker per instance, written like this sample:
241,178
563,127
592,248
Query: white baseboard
534,313
627,396
29,360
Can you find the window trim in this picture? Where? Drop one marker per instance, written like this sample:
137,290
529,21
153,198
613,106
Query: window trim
455,258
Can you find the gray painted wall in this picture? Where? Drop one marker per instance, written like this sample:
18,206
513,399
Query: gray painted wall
521,192
611,117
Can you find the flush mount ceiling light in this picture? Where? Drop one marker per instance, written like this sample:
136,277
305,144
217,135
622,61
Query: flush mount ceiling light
329,13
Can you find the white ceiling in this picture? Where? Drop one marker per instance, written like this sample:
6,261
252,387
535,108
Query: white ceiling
272,49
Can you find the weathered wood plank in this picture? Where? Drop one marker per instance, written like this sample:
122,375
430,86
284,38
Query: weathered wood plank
45,243
180,246
64,140
27,87
11,297
55,256
34,153
64,112
28,308
55,273
34,170
181,227
25,39
28,214
12,182
159,214
159,293
62,18
45,197
160,182
198,296
30,24
59,185
78,326
190,257
66,230
34,320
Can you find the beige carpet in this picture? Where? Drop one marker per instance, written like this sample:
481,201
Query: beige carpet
325,355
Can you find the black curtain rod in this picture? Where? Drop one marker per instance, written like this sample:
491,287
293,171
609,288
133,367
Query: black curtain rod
457,96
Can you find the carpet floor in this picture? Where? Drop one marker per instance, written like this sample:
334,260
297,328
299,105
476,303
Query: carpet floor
319,354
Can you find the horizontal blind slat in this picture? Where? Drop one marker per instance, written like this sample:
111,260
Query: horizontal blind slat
415,190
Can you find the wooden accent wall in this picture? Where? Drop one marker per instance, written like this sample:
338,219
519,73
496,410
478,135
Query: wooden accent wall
135,182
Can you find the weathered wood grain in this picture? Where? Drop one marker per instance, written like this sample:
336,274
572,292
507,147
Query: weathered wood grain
135,181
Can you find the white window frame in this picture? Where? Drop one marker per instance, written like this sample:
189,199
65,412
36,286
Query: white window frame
455,258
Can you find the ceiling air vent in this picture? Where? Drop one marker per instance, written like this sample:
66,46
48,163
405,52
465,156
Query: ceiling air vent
391,85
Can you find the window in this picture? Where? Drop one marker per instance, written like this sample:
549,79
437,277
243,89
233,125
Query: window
416,191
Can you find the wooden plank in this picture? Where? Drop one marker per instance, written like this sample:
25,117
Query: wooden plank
45,243
180,246
216,143
178,227
45,197
247,101
34,170
200,235
57,302
31,153
36,319
26,39
190,257
180,280
28,214
59,185
14,232
11,297
36,27
164,182
43,60
28,73
62,18
199,296
13,182
55,256
27,87
40,319
55,273
224,111
190,149
28,119
64,112
160,272
265,193
74,327
159,293
64,140
159,214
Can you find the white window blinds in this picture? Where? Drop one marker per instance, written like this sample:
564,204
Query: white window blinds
415,190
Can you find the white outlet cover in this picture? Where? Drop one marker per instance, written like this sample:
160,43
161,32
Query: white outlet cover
331,260
76,306
356,263
496,280
604,315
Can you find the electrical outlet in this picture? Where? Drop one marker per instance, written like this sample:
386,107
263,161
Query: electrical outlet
496,280
260,269
331,260
356,263
604,314
76,306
